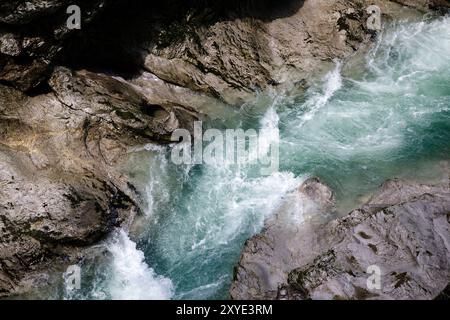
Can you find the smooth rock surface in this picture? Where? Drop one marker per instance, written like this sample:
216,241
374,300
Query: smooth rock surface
404,230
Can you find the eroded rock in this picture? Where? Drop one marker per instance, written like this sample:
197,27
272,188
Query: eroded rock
403,230
258,45
61,188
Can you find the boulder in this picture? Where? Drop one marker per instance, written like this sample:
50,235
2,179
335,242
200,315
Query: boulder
403,232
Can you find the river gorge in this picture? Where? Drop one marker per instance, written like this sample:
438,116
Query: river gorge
359,117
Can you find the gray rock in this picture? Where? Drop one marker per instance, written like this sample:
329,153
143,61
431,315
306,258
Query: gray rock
445,295
404,230
61,186
263,44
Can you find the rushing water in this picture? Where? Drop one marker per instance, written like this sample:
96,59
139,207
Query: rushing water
367,120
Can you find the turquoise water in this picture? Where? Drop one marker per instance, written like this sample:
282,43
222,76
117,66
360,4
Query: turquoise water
367,120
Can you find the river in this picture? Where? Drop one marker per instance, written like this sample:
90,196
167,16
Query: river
371,118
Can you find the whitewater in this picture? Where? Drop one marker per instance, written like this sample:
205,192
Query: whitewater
369,119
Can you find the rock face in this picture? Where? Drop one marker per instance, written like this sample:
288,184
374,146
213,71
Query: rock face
404,231
262,44
60,183
31,35
256,46
225,49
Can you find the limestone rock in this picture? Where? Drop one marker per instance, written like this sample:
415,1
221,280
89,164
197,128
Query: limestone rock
61,187
404,231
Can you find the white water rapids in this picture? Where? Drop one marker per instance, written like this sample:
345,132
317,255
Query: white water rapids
386,116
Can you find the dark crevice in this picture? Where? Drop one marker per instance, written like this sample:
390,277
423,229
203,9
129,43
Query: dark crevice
116,41
41,88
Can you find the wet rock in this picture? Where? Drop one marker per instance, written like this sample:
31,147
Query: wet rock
403,231
286,241
114,102
61,188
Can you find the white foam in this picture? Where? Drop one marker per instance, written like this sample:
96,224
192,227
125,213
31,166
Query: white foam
243,200
332,83
269,133
156,189
131,278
